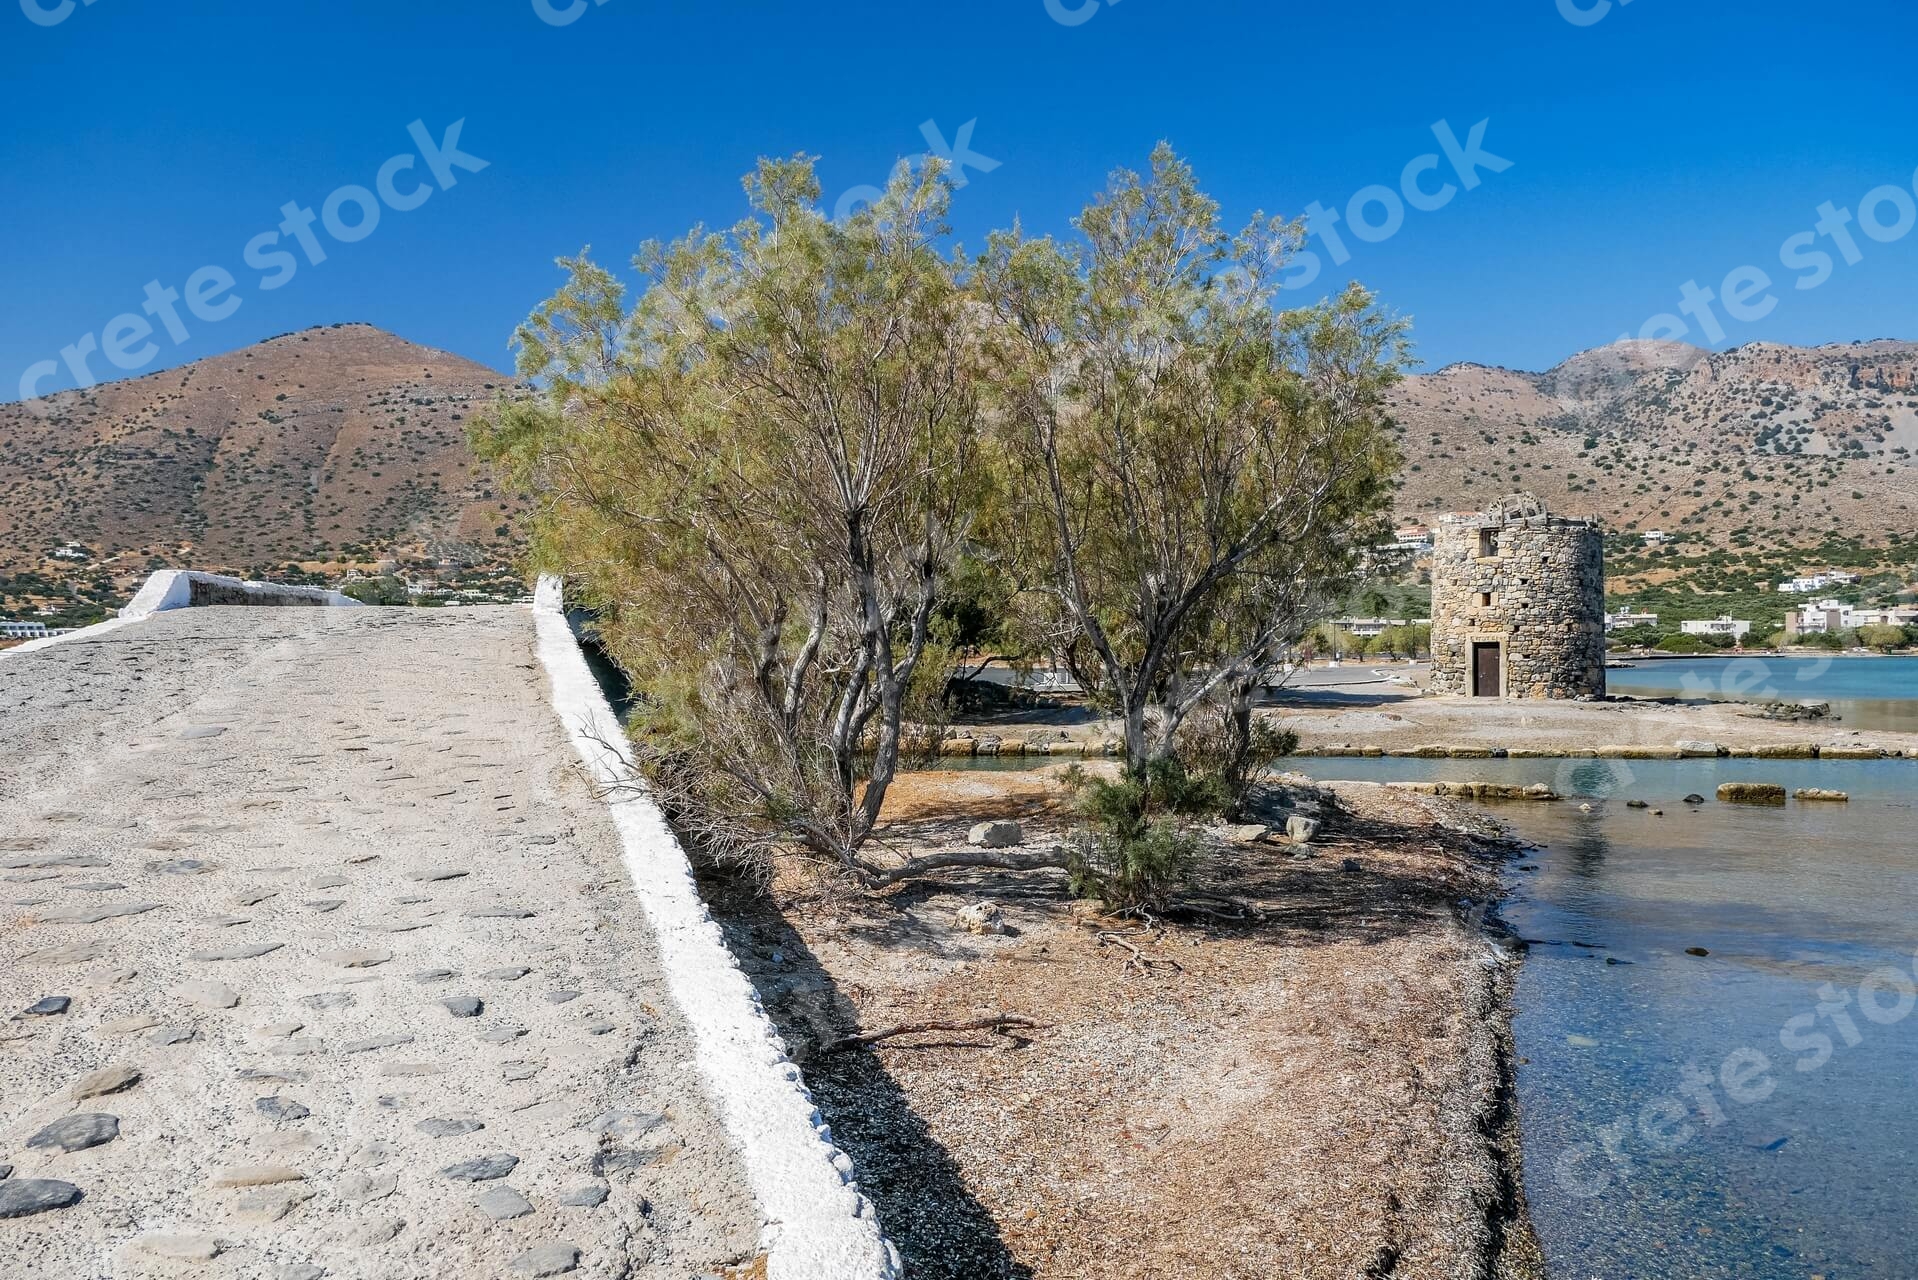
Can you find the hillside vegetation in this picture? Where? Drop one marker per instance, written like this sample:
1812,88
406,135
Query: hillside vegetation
335,445
1764,448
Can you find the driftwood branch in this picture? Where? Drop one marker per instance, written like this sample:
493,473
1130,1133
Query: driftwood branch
1138,958
999,1023
996,859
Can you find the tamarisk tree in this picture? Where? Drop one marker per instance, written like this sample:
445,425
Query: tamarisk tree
759,474
1203,469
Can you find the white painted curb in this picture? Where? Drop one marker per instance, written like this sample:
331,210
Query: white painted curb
819,1227
173,589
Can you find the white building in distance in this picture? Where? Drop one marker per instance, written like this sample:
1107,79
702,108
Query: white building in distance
1626,619
29,630
1830,616
1814,582
1736,628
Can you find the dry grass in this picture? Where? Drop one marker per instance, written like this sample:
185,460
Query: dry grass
1309,1095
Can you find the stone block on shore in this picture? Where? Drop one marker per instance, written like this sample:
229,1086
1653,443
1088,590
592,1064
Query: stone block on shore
1639,753
1694,749
959,747
1751,793
1012,746
996,835
1786,751
1301,830
1850,753
1821,793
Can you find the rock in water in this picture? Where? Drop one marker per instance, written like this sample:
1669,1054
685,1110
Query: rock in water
996,835
23,1197
1821,793
1751,793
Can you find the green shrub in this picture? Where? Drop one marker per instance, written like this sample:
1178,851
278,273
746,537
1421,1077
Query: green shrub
1882,637
1139,846
382,590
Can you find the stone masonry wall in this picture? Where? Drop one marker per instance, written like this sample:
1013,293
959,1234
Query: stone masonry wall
1546,589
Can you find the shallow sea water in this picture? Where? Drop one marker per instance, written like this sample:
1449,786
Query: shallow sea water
1866,693
1639,1160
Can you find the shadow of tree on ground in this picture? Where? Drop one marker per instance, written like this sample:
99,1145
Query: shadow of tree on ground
941,1231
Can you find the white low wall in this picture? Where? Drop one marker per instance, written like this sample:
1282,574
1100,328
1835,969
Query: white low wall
176,589
819,1226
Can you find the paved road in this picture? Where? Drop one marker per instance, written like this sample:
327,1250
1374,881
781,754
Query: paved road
341,974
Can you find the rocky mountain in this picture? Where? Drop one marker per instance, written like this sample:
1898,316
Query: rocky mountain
342,442
1765,445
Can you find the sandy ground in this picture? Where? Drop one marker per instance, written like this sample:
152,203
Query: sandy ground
1394,722
1355,705
264,862
1319,1091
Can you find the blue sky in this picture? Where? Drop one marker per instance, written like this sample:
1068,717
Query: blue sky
1664,141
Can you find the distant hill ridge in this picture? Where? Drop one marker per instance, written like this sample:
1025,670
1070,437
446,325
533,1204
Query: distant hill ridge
1763,444
291,449
349,437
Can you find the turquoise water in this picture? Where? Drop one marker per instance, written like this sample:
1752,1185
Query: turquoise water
1867,693
1636,1170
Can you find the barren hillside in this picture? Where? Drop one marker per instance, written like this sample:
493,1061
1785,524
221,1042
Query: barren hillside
1765,444
299,448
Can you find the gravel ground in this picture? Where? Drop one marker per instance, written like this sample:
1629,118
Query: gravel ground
1320,1092
317,959
1393,722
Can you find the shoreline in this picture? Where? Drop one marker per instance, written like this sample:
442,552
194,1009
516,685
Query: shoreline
1367,718
1323,1086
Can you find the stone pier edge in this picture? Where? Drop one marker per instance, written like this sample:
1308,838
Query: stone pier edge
819,1225
175,588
